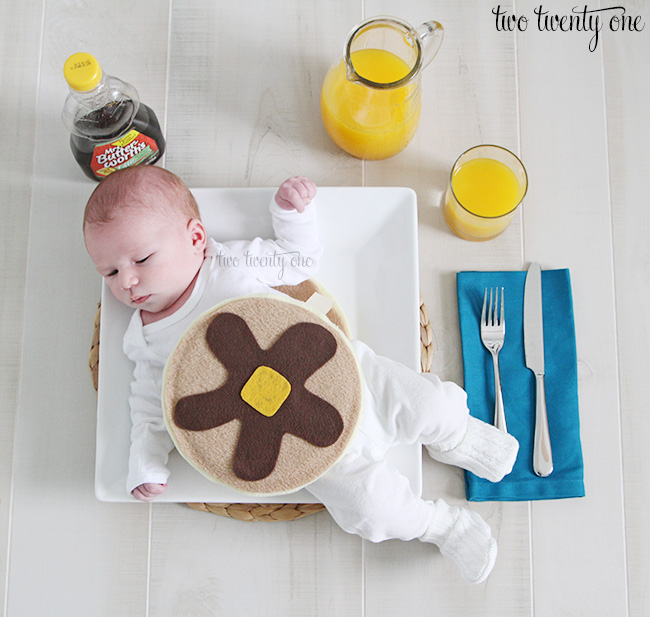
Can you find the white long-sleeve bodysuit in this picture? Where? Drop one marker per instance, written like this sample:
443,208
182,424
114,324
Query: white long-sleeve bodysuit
361,491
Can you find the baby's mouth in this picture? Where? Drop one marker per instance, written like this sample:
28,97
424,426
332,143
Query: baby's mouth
139,299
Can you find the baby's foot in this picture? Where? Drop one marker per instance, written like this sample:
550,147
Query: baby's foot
465,538
485,451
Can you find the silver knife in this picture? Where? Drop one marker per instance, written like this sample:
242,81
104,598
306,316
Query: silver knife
534,347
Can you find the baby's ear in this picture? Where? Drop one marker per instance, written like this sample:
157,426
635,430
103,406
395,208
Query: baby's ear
197,233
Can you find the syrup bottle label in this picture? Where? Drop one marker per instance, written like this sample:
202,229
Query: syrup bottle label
132,149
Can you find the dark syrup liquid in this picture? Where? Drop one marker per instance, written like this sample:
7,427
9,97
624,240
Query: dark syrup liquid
108,123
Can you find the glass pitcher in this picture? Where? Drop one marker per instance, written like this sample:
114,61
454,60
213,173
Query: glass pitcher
371,98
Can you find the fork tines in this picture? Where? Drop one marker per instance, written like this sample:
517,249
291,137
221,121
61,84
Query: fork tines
493,318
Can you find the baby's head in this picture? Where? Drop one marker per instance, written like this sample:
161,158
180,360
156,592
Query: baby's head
143,231
143,186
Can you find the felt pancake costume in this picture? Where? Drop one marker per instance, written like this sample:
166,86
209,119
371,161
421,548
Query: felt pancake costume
263,394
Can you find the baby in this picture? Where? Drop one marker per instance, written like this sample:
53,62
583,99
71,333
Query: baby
144,234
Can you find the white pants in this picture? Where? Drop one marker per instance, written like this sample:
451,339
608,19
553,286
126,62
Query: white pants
362,492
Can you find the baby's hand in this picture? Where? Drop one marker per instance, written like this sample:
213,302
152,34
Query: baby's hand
295,193
149,491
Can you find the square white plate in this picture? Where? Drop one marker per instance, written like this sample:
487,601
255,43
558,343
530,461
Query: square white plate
370,265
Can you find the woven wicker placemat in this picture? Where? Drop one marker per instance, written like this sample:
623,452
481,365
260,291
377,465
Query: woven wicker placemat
268,512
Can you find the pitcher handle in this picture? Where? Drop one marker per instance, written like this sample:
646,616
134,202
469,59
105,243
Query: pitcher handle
431,34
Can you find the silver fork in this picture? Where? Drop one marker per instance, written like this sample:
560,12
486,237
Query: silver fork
493,333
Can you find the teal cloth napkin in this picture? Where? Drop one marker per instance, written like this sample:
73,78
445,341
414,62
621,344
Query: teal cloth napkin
518,384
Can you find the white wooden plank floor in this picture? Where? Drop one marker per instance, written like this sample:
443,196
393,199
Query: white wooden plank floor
237,86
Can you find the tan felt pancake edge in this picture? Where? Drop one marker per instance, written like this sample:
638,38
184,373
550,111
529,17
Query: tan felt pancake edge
193,368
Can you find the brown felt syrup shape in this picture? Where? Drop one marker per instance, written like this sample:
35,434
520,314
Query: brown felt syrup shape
299,352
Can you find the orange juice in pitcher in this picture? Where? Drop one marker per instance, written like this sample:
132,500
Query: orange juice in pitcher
371,100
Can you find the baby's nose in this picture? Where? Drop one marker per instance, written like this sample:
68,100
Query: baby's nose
128,280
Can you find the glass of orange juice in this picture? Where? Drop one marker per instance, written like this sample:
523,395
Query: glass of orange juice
370,99
486,185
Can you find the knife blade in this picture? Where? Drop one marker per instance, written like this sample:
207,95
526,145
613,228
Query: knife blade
534,351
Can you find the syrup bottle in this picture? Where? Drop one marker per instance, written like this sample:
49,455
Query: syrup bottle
109,127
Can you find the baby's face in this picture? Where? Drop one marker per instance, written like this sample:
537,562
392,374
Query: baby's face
148,259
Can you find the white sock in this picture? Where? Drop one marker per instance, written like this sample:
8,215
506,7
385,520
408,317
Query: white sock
485,451
465,538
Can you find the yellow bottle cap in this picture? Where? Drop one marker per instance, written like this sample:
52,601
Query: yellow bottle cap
82,72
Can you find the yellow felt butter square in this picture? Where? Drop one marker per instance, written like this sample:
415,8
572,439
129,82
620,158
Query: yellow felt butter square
266,390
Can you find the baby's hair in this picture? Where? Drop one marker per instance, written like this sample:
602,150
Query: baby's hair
143,186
